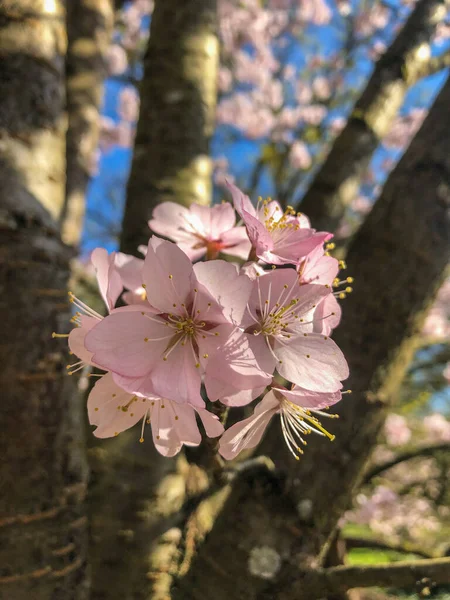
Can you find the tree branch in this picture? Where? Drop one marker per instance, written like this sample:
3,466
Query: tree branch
432,66
178,97
398,275
89,28
421,452
358,542
338,180
404,574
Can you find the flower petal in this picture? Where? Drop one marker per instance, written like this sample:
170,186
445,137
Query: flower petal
227,287
128,342
312,361
248,433
167,275
112,409
109,281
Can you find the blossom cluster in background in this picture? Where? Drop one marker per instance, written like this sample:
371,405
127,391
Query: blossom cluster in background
225,330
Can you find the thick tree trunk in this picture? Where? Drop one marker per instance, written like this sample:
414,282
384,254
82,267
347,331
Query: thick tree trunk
89,28
178,95
137,495
337,181
43,472
268,529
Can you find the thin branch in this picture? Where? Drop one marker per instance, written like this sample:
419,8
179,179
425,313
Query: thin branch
337,182
432,66
358,542
404,574
422,451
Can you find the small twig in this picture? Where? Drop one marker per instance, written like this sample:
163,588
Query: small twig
423,451
357,542
405,574
430,67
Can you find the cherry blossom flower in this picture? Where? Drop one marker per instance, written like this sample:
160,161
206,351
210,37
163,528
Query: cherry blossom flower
201,230
173,425
280,315
116,60
297,409
396,430
110,287
277,237
299,156
437,427
196,309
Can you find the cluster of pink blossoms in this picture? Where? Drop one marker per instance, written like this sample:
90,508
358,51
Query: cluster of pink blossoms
230,331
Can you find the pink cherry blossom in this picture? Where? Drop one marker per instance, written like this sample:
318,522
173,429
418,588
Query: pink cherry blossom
437,427
320,268
201,230
173,425
116,60
299,156
128,104
396,430
297,409
280,315
108,279
144,350
277,237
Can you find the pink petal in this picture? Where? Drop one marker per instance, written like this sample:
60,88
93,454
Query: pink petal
242,397
327,315
248,433
241,201
186,423
236,243
313,362
211,423
171,220
109,281
227,287
105,404
311,400
77,339
318,268
130,270
167,275
216,219
118,342
178,378
234,368
164,434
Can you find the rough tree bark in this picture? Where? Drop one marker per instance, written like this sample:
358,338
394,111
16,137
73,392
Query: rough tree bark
337,181
136,495
43,471
275,523
178,96
89,28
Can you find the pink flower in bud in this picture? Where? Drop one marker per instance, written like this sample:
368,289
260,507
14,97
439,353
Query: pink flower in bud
200,230
277,237
113,410
297,409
